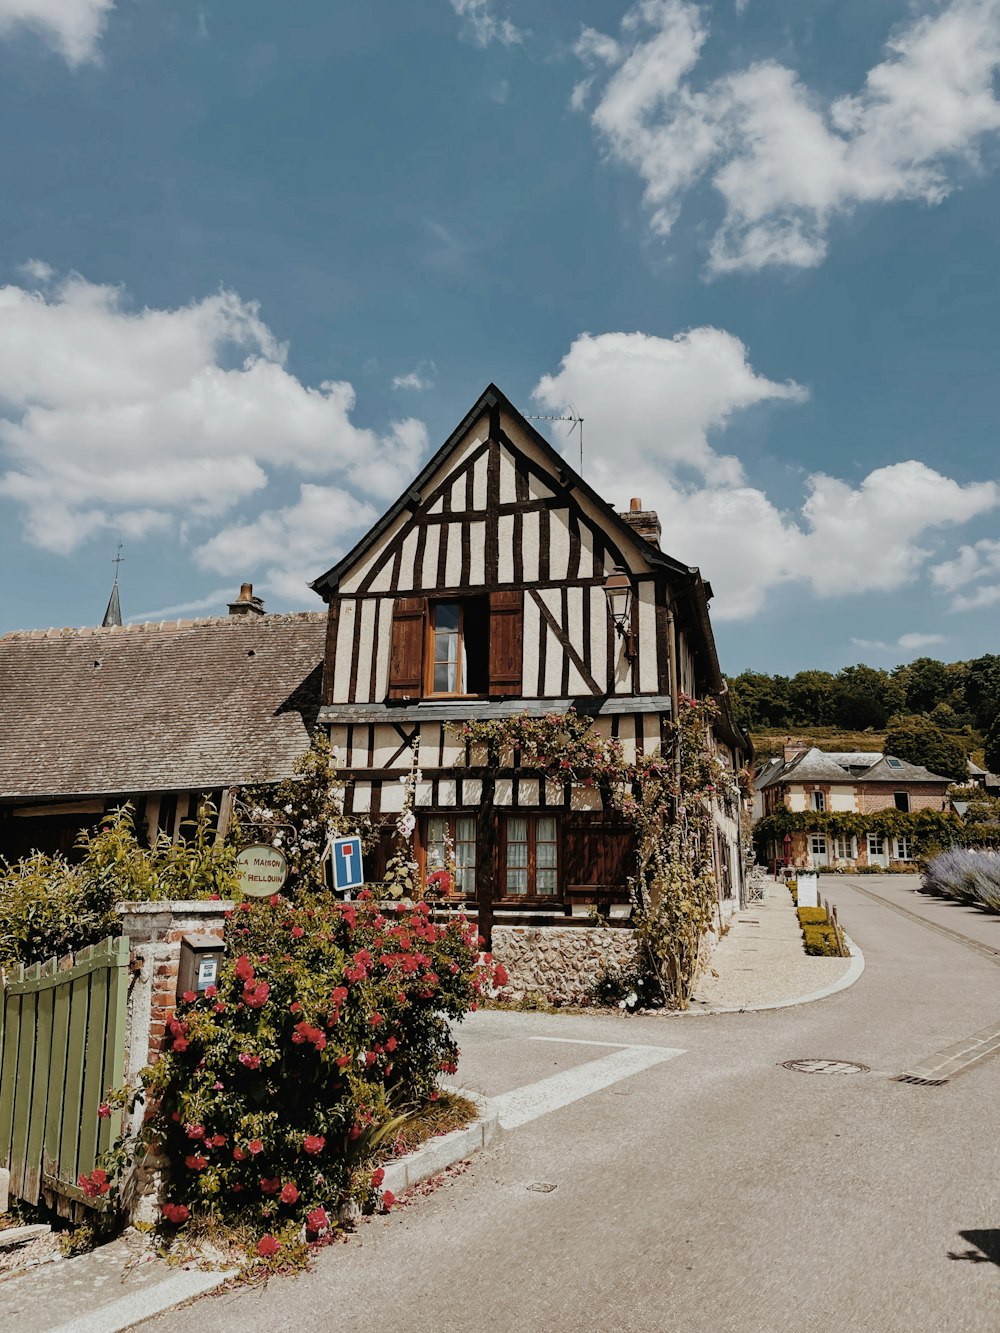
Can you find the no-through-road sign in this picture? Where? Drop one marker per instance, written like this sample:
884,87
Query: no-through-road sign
347,871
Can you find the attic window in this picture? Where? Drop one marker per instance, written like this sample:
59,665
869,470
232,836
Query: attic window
894,763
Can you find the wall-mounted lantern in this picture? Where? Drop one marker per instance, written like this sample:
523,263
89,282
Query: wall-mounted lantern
619,592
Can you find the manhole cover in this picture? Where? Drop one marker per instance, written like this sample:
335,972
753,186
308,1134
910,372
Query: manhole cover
826,1066
541,1187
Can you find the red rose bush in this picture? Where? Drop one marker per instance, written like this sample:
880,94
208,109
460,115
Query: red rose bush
325,1025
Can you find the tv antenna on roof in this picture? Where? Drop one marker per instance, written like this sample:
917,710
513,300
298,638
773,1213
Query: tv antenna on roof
575,420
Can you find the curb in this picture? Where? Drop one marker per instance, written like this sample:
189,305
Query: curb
853,974
128,1311
435,1156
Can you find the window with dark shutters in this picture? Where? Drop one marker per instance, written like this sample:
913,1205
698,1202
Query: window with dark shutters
505,639
406,654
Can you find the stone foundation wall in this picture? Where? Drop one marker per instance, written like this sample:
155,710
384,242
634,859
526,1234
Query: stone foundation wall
560,964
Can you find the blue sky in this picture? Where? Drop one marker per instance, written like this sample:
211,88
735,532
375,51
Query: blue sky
256,261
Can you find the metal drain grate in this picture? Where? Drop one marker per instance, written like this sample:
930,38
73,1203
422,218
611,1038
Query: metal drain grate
922,1082
825,1067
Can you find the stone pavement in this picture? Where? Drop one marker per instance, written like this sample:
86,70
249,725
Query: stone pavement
760,963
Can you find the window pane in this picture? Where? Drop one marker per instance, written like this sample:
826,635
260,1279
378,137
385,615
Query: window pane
465,829
446,616
545,854
545,829
517,829
444,677
517,853
517,881
465,877
546,881
465,853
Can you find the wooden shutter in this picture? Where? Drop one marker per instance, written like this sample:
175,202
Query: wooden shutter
506,638
598,851
406,654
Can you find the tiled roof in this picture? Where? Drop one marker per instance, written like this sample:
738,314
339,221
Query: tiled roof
826,766
892,769
183,704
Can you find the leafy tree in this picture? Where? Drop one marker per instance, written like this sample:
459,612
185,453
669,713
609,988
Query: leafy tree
866,697
811,698
982,690
917,740
925,682
993,746
760,700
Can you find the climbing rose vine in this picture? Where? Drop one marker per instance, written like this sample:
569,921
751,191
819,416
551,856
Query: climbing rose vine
667,796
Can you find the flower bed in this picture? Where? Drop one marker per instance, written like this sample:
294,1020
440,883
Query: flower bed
966,876
329,1024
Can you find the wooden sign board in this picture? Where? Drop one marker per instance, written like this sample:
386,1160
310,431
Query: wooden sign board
262,870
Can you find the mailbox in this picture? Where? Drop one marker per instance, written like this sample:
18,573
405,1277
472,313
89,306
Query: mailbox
201,958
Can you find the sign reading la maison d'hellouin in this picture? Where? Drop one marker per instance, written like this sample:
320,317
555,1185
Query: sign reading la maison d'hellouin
262,870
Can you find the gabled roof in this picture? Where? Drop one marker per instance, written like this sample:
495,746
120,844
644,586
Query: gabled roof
891,769
696,592
816,765
181,705
489,400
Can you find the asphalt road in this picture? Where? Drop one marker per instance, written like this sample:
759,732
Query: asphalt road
711,1189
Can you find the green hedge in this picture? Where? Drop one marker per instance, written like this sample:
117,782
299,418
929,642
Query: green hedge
819,933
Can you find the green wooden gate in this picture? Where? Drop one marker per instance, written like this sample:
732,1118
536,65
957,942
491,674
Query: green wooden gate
62,1046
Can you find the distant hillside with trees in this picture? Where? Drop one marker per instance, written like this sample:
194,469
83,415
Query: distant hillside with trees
929,712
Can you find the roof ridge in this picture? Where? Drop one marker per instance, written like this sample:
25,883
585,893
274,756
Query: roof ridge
154,626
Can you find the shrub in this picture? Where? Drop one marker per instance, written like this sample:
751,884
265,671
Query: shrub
328,1023
819,933
49,907
967,876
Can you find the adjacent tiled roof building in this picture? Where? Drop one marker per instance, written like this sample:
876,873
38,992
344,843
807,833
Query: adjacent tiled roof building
180,705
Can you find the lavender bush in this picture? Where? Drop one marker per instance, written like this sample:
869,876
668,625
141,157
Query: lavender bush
968,877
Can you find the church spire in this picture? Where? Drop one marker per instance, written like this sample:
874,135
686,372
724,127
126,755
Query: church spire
113,615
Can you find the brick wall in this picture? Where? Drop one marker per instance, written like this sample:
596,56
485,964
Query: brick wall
923,796
155,931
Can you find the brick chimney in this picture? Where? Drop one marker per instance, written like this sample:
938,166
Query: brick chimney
644,521
792,749
246,604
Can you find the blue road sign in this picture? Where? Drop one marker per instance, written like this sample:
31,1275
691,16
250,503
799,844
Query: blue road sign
347,871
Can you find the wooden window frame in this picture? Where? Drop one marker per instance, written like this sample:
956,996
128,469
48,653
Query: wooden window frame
432,607
422,841
531,895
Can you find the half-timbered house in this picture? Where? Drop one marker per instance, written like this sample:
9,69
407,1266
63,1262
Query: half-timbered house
491,587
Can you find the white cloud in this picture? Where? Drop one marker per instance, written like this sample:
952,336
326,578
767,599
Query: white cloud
216,602
288,548
419,379
71,27
786,161
986,595
114,418
650,406
658,398
481,25
971,563
910,643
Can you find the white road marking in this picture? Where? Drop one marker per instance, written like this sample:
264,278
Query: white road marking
521,1105
618,1045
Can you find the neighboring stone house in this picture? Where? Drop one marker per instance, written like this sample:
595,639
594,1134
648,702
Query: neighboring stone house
860,782
486,591
156,714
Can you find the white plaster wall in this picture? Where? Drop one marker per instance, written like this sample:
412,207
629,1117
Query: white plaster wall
558,544
842,799
342,656
506,544
477,554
